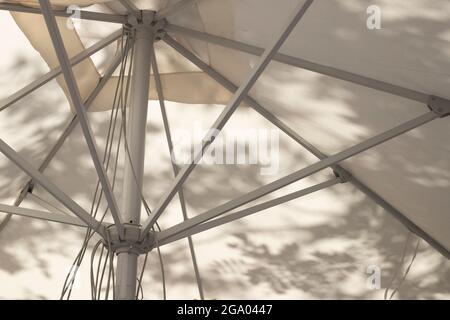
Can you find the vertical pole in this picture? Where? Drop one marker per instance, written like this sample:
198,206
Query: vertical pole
133,176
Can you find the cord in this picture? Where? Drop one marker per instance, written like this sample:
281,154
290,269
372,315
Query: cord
68,284
400,265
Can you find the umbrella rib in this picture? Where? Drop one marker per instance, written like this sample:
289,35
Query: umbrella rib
160,93
45,204
226,113
74,121
166,237
70,127
86,15
304,64
42,215
305,172
57,71
227,84
51,188
81,111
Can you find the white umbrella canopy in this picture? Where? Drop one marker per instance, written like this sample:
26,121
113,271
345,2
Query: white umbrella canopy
409,175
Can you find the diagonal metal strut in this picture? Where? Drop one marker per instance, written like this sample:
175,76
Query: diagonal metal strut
87,15
160,92
62,138
166,237
226,114
307,145
305,64
303,173
52,74
43,215
51,188
81,111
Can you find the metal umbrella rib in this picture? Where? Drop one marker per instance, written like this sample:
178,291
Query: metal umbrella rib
159,90
166,236
87,15
303,173
51,188
305,64
227,112
81,111
43,215
52,74
227,84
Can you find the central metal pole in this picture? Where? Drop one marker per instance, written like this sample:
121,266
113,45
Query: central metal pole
134,169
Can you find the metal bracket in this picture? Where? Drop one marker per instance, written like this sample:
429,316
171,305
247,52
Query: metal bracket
342,174
130,241
148,21
160,28
440,106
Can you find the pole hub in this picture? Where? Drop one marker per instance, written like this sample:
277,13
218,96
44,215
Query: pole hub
130,241
148,24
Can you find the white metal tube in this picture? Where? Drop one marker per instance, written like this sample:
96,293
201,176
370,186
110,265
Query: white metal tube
43,215
126,275
80,107
305,64
52,74
86,15
163,239
223,118
134,169
303,173
56,192
307,145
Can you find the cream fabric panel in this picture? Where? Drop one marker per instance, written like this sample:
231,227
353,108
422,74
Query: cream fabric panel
183,81
58,3
191,86
34,27
411,50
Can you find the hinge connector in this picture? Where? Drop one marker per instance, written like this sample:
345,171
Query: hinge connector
440,106
342,174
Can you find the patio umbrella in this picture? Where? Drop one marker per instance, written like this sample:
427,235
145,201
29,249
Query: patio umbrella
245,54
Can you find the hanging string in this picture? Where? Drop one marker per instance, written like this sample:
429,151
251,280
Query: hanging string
120,102
397,289
400,265
175,171
69,281
161,264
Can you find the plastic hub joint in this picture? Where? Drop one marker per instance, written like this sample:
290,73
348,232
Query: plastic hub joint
130,242
157,27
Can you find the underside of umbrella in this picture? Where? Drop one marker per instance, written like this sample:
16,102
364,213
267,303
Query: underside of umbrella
243,54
